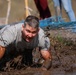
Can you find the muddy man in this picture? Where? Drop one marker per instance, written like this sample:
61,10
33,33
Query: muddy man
25,37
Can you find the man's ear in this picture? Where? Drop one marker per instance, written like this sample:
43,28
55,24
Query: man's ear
22,26
38,29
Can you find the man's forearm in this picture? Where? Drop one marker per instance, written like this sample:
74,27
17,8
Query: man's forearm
47,64
2,51
46,55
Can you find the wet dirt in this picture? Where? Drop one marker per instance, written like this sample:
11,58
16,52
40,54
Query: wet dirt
63,50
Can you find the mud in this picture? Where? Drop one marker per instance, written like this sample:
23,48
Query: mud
63,50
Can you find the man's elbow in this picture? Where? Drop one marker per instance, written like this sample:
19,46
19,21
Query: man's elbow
46,54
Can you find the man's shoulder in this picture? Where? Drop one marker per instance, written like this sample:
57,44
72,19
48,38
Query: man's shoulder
16,26
41,34
41,31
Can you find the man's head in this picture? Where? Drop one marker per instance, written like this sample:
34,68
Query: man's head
30,28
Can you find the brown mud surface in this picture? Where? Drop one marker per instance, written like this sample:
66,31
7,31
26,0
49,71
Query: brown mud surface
63,49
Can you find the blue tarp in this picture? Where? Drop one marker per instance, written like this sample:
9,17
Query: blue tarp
50,22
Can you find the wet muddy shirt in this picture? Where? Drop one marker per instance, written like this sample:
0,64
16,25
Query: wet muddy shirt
11,34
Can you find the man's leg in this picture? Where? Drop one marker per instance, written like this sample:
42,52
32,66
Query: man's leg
58,9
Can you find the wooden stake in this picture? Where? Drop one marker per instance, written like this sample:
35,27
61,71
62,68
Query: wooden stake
8,11
26,6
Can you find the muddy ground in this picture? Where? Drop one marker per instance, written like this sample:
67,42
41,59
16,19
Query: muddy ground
63,50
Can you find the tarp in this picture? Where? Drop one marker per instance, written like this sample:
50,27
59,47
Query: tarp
52,24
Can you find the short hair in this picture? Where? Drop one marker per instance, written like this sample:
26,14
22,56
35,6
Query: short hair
32,21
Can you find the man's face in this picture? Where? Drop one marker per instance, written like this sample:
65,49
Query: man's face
29,32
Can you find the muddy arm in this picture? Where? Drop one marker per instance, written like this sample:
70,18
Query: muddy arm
48,59
45,54
2,51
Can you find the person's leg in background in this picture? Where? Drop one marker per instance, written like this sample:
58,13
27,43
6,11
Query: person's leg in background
69,10
46,10
38,6
42,6
58,9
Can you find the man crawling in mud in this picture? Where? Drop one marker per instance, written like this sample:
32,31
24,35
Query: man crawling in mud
25,37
